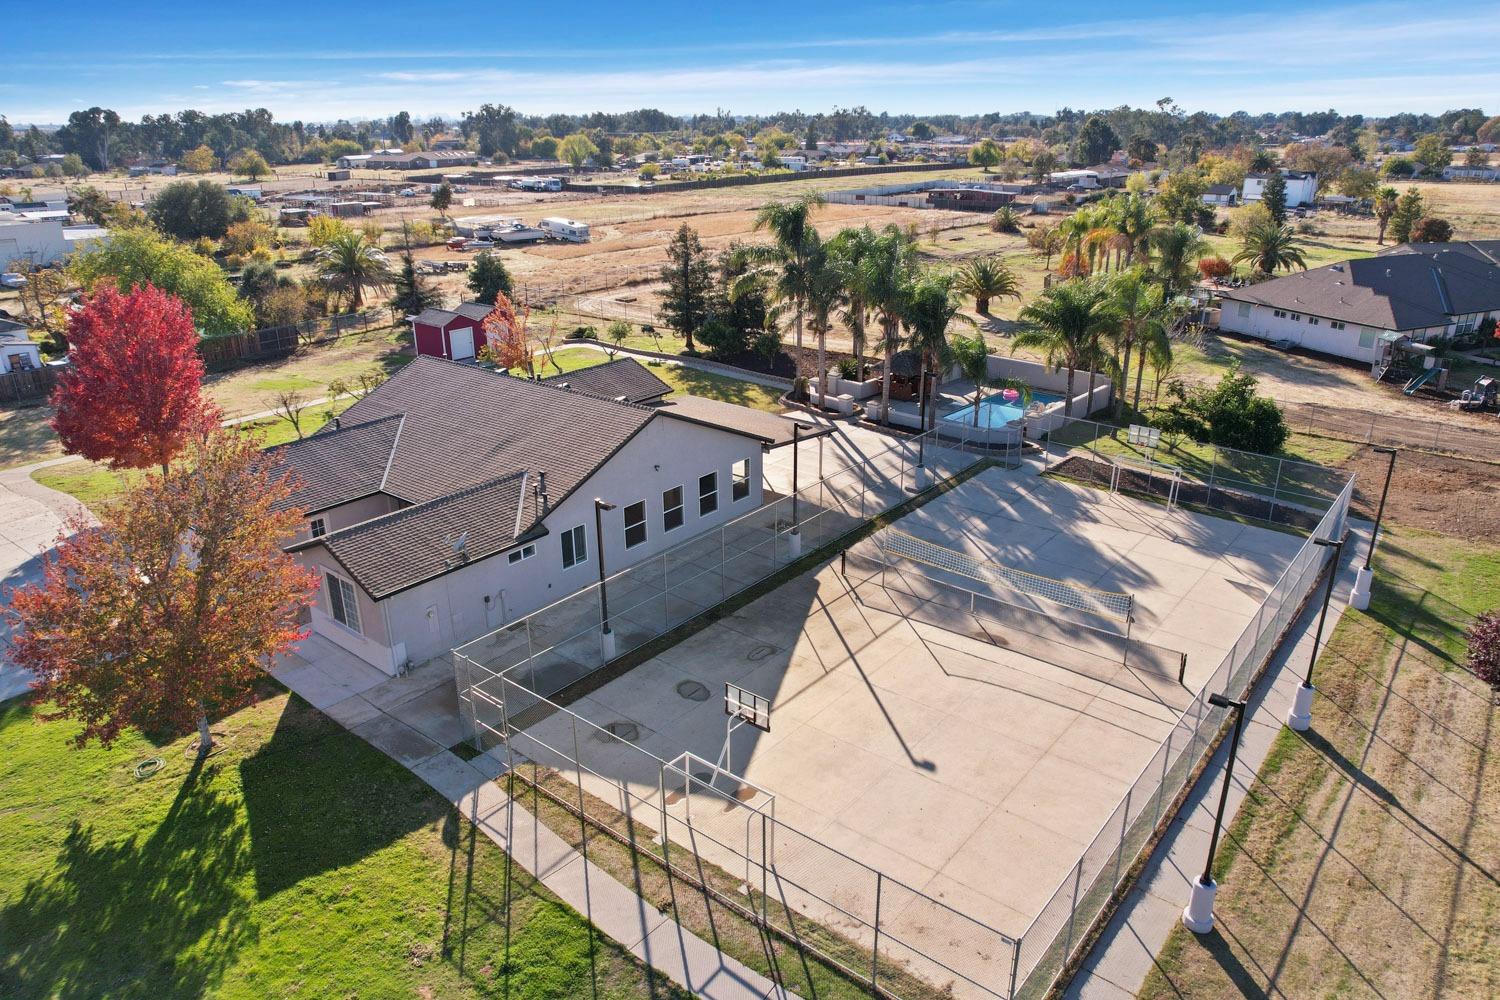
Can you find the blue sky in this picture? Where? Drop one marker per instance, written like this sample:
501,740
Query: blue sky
323,61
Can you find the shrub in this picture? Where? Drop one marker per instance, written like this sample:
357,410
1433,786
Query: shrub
1431,229
720,339
766,345
849,369
583,333
1215,267
1005,220
618,331
1228,413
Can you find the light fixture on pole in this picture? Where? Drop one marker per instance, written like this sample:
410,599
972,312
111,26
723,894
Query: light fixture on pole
1359,597
606,637
1300,716
1198,916
794,537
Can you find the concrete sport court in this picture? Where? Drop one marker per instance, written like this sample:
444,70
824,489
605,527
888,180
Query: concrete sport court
968,770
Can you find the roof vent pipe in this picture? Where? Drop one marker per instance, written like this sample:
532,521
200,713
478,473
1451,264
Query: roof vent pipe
541,491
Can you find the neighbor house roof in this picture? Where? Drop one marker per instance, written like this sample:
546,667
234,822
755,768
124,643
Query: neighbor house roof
622,378
464,449
433,316
1411,290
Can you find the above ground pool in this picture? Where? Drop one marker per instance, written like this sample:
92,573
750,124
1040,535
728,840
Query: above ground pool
995,410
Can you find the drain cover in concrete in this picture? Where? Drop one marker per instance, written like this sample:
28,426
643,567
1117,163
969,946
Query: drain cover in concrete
628,731
692,691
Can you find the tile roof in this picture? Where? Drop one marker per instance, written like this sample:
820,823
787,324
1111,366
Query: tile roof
400,550
621,378
462,447
1409,290
342,464
467,425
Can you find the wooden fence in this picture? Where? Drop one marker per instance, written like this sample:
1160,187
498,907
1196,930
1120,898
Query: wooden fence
219,353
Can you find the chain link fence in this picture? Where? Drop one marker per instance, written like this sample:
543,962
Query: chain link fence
1064,921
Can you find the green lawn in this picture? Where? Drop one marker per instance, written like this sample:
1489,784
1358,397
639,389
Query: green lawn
1363,861
681,378
297,862
92,483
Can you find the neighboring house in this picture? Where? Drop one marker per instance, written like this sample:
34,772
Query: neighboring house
1301,187
160,168
353,160
1221,194
432,159
1460,172
454,499
43,241
455,334
18,352
251,191
1358,309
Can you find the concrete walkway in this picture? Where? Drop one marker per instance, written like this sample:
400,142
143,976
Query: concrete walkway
1126,952
414,719
31,518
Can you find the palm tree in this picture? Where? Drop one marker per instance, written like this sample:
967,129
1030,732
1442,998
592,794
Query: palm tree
885,280
987,278
1132,218
1270,248
349,264
972,355
1175,252
1140,315
851,248
1066,324
1385,207
1159,351
789,223
823,291
929,311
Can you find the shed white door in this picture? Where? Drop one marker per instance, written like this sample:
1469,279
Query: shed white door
461,340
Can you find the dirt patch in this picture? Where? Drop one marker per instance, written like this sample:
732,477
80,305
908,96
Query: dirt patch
1449,495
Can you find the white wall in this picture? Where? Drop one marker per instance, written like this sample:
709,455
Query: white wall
8,353
37,242
1255,320
435,616
1299,190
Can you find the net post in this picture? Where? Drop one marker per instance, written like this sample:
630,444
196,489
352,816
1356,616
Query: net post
1129,624
1182,669
875,947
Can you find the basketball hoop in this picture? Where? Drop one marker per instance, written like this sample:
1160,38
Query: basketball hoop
742,707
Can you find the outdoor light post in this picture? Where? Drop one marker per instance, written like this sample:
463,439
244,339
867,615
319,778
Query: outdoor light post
606,637
1198,917
794,537
1300,716
1359,597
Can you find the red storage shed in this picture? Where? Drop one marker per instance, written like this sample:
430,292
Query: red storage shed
455,334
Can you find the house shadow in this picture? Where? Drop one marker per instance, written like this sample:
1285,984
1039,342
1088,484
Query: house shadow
311,769
161,912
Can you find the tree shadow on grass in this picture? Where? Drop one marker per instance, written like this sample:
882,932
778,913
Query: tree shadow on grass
319,798
152,917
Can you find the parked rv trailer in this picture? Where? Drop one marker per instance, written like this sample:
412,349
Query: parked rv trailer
565,229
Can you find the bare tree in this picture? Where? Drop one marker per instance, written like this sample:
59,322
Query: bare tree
289,406
367,383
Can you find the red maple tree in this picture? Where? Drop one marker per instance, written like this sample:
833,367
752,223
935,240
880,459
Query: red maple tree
505,337
164,615
134,393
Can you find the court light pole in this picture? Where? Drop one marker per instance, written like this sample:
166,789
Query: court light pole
919,474
1300,715
606,637
794,537
1359,597
1198,916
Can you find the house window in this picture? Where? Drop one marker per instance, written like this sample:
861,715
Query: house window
1335,324
1243,308
342,602
1297,316
1314,320
671,508
1279,313
635,524
708,494
1367,336
524,552
740,474
575,546
319,529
